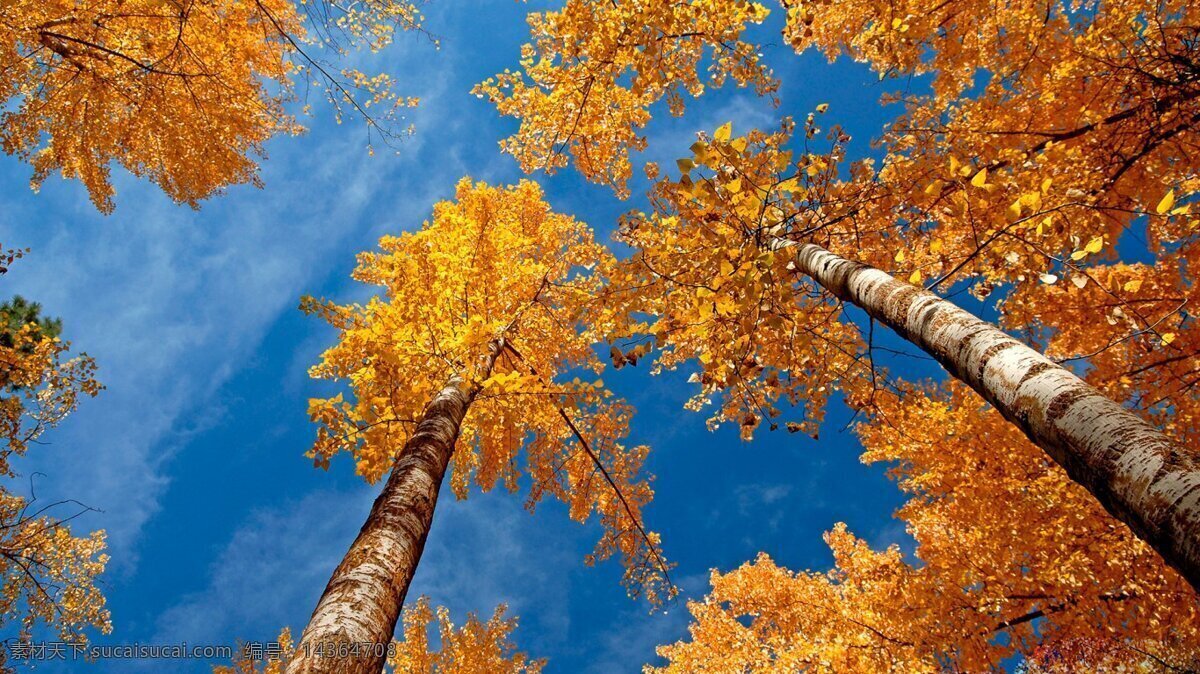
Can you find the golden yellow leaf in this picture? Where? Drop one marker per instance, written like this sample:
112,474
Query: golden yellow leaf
1166,203
1014,209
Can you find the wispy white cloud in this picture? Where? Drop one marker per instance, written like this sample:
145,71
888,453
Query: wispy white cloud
173,302
170,306
631,642
751,496
892,532
270,572
487,550
482,552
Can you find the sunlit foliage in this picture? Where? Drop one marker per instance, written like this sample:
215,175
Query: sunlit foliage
1011,557
182,92
494,267
594,69
478,647
1049,131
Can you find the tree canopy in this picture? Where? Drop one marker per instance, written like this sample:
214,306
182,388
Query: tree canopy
49,574
184,93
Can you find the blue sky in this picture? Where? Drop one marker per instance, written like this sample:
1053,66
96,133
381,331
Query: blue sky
221,530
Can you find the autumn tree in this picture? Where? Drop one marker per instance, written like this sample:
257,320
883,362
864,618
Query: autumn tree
1079,586
478,647
184,93
49,575
471,359
1084,136
594,69
1082,127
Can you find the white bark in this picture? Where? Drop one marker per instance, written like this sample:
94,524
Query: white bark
352,626
1140,475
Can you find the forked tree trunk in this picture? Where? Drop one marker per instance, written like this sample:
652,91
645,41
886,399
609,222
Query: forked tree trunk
352,626
1138,474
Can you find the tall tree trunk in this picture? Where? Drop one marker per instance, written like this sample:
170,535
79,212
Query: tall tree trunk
1138,474
354,621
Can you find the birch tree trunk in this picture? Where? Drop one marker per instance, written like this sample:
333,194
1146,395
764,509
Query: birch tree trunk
352,627
1138,474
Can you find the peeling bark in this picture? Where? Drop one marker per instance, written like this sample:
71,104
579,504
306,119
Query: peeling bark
353,624
1137,473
